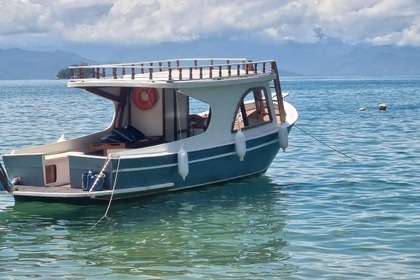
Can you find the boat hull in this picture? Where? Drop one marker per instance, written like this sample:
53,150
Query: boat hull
208,121
127,178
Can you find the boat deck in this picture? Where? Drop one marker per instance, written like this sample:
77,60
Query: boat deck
67,194
173,70
55,189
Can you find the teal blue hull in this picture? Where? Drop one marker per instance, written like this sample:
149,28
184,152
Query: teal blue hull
206,167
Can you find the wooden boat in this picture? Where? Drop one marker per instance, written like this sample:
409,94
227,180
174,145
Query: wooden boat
177,124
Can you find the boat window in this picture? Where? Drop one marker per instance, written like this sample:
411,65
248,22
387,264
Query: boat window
198,117
252,110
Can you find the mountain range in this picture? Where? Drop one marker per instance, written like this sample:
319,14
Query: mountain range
327,58
18,64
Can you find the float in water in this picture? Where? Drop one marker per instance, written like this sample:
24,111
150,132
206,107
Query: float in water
158,141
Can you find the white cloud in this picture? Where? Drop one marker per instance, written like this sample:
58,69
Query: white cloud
154,21
366,21
22,17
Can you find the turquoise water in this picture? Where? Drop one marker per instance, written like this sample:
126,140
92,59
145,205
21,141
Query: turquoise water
315,214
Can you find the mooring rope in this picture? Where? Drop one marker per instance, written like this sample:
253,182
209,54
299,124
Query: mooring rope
112,193
101,174
323,143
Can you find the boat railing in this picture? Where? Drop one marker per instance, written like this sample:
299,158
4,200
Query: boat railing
175,70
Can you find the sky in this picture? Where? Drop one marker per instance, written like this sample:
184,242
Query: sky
77,24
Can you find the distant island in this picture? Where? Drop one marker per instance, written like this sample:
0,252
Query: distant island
65,74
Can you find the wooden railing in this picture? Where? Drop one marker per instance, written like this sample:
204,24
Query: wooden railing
175,70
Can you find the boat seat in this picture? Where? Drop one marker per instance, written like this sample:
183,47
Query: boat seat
127,134
118,146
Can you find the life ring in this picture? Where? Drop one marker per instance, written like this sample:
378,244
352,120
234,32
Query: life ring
144,102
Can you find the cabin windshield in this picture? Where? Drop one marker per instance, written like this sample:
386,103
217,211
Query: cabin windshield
252,110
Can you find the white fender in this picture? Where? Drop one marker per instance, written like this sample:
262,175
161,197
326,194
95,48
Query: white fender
240,144
283,136
183,167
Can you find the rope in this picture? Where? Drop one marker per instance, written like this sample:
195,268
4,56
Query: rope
101,174
112,195
323,143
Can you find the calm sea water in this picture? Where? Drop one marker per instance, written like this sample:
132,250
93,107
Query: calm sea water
315,214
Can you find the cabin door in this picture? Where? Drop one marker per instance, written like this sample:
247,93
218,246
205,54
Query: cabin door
175,110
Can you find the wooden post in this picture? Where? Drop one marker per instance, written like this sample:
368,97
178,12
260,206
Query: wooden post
170,71
170,74
151,71
249,67
279,93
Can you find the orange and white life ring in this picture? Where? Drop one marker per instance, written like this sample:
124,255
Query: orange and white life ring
144,98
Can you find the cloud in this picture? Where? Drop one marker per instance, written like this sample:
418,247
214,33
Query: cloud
378,22
21,17
148,22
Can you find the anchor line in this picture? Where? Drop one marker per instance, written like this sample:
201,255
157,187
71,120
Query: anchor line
323,143
112,195
100,175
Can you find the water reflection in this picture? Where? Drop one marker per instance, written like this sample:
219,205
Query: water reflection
215,231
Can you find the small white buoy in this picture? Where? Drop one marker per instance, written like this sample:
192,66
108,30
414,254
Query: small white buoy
240,144
283,136
382,106
362,108
61,139
183,167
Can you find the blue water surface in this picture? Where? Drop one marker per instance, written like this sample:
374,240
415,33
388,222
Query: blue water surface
343,202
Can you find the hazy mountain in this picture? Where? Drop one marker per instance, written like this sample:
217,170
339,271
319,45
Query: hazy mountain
21,64
328,58
384,60
339,59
